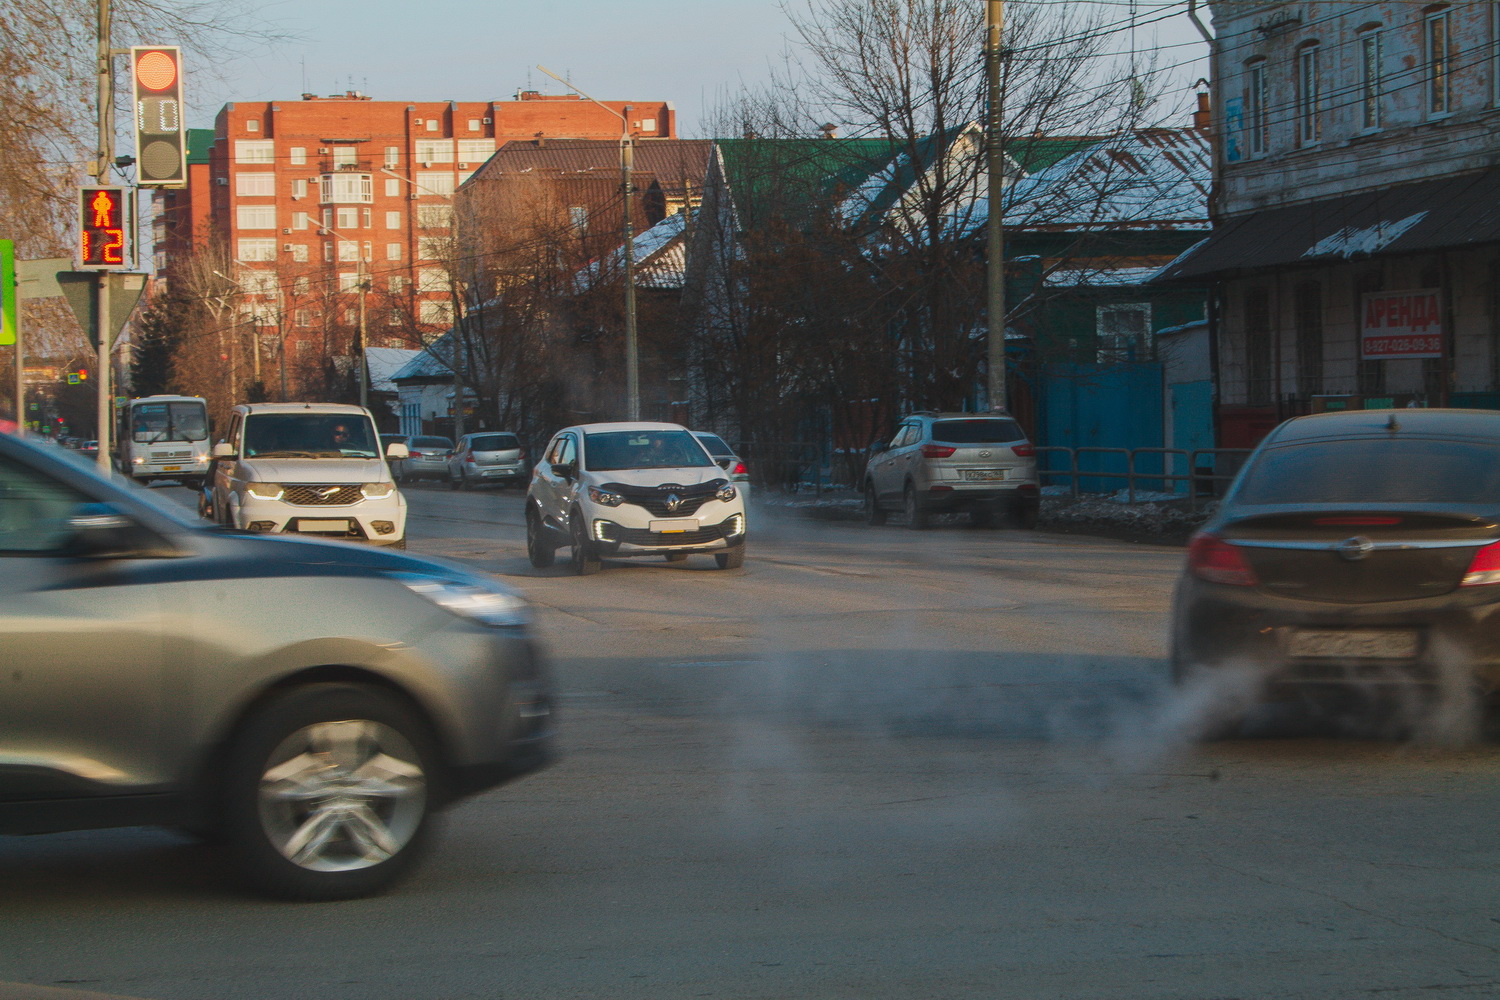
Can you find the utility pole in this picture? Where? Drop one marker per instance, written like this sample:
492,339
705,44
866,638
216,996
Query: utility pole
104,409
995,224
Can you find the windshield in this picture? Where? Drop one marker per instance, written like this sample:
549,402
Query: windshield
309,435
494,442
181,421
432,442
980,430
715,445
654,449
1373,470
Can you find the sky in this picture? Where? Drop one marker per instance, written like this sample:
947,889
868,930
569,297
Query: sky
688,52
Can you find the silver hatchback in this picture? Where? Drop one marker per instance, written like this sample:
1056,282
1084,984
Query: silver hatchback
937,463
310,704
487,457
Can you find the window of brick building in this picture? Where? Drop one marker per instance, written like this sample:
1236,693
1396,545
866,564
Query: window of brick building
298,156
393,251
252,124
304,317
254,151
348,218
299,252
1309,94
432,124
475,151
397,284
1255,106
393,156
1438,50
255,216
473,124
255,249
434,216
435,184
299,187
260,184
1369,78
299,220
392,187
393,220
435,312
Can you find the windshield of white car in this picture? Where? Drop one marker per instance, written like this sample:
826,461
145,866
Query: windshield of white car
309,435
651,449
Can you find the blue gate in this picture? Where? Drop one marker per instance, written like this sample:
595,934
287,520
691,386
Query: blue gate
1102,406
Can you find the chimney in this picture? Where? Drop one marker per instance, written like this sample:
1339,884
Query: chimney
829,130
1203,116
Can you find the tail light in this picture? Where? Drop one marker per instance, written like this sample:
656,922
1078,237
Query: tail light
1024,450
522,456
739,469
1215,560
937,450
1484,569
414,454
469,459
1357,521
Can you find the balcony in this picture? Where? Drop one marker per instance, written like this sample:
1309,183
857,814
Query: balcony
331,166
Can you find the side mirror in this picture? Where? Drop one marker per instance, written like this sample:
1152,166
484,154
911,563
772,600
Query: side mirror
566,469
223,450
396,451
878,447
101,531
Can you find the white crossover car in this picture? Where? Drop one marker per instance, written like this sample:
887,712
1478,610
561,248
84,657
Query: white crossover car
632,489
307,469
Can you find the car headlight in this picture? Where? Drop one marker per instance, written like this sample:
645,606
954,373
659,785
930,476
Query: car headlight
469,600
201,457
265,491
377,491
605,497
726,493
139,460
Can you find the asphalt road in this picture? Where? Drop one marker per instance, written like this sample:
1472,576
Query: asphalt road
872,763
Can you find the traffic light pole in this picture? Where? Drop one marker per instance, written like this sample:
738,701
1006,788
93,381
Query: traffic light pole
104,408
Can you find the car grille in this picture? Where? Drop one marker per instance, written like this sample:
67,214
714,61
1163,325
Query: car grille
644,536
322,496
655,498
170,457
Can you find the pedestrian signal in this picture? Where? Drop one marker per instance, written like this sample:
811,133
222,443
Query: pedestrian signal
160,136
105,228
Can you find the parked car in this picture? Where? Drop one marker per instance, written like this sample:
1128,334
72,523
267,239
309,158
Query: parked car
427,458
632,489
487,457
1355,551
719,450
311,705
307,469
89,448
974,463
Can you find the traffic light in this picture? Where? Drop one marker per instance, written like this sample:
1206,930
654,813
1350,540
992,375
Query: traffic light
160,138
106,229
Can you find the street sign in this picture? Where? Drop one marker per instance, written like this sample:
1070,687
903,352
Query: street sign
9,293
106,229
160,136
125,291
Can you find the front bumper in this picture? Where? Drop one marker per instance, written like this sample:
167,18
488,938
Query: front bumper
378,522
1217,626
611,538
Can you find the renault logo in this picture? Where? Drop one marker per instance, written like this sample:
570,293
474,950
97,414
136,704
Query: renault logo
1355,549
673,503
328,491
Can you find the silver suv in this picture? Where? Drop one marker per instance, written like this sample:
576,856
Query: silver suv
308,703
938,463
632,489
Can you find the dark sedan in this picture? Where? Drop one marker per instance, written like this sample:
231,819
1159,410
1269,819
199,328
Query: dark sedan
1356,553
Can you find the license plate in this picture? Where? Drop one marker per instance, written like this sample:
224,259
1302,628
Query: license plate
171,468
339,526
674,527
982,475
1353,644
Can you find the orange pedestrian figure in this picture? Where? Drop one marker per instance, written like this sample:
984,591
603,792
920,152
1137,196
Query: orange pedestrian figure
102,205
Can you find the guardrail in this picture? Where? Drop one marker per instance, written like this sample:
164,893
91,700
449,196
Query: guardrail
1202,479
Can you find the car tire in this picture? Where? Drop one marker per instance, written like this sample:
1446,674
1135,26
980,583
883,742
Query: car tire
874,513
538,549
732,559
675,556
329,792
1026,516
586,559
982,517
454,484
400,543
916,517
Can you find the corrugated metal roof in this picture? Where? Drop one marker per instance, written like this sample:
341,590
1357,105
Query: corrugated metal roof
1406,218
667,159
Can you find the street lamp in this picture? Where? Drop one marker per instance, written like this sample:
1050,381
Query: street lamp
627,158
363,286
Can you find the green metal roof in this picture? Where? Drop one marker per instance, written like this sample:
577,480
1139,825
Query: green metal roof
198,141
781,176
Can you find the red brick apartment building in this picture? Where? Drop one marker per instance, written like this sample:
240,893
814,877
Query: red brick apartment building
309,194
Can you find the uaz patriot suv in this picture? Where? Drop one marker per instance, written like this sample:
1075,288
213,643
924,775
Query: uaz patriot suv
940,463
632,489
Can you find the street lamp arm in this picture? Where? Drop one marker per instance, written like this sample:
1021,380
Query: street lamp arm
581,94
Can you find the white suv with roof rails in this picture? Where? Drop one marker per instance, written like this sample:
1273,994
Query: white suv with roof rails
981,464
631,489
307,469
